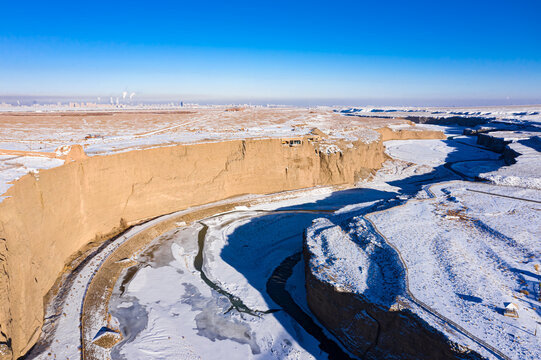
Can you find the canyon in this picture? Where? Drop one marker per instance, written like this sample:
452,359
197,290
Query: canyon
51,221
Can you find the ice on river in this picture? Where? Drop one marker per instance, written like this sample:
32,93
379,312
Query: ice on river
183,318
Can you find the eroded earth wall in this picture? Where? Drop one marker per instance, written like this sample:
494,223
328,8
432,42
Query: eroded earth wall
370,331
406,134
50,216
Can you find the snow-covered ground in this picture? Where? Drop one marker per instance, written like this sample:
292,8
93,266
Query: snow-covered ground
14,167
526,169
182,317
434,153
469,254
469,250
526,113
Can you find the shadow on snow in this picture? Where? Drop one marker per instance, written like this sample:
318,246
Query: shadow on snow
270,245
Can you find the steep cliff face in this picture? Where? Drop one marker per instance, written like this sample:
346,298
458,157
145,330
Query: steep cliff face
50,216
405,134
370,331
450,120
5,315
494,143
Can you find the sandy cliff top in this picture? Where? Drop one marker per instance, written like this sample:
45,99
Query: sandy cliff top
33,141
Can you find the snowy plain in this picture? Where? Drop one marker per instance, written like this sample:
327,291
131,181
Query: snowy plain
470,248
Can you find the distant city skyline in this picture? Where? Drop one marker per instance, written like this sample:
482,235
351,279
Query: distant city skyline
343,53
28,100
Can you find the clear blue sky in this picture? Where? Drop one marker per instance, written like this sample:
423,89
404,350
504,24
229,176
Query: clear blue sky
399,51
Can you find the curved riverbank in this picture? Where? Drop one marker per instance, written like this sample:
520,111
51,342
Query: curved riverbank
190,252
53,217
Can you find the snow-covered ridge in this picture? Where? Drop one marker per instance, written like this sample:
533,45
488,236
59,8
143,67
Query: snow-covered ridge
508,113
525,171
33,139
355,260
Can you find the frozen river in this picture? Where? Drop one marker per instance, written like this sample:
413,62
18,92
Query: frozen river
230,286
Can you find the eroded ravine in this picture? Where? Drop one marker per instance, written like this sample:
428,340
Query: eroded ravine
276,288
98,197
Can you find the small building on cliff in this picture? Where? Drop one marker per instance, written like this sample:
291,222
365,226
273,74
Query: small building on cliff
511,310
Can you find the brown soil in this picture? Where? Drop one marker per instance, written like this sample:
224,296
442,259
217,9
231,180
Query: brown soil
406,134
107,341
